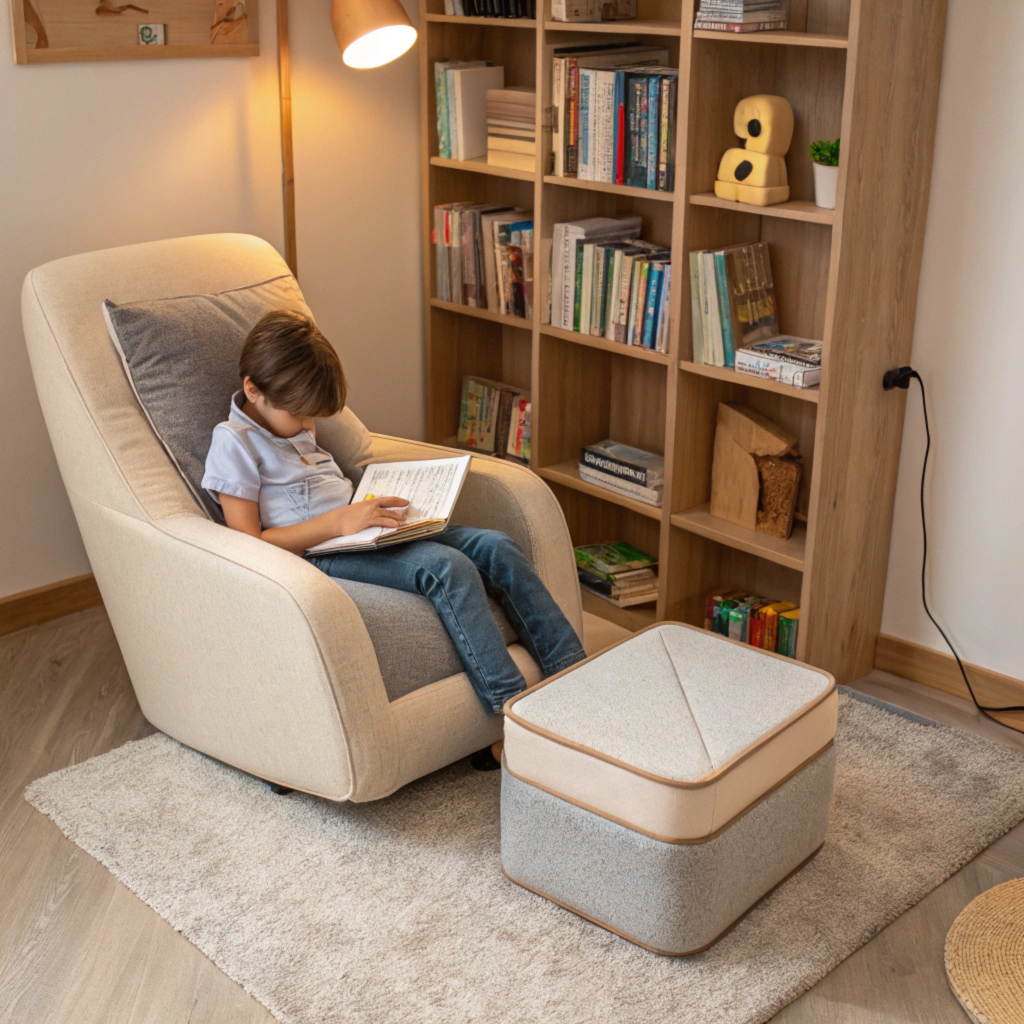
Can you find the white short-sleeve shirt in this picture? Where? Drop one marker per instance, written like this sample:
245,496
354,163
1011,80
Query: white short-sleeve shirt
292,478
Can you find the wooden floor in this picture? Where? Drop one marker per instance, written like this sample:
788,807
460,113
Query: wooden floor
77,946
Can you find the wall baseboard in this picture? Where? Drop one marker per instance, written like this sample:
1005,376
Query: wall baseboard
933,668
32,607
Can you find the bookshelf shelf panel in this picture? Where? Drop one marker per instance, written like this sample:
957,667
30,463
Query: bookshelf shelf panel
615,347
604,186
648,27
723,373
795,209
636,618
479,165
455,19
790,553
788,38
517,322
568,475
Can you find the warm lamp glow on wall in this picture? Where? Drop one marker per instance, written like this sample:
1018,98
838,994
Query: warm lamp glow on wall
370,33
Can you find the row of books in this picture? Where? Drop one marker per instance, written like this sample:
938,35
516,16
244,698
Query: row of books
491,8
485,256
627,126
628,471
732,301
758,621
494,418
460,92
741,15
512,128
609,283
610,138
618,573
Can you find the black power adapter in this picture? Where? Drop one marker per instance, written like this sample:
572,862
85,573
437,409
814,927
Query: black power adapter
901,378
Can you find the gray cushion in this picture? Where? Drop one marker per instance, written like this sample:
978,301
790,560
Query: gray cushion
181,356
421,652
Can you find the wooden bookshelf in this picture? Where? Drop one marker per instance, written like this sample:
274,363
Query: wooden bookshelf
867,70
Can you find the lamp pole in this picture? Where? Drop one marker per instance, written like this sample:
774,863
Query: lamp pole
284,82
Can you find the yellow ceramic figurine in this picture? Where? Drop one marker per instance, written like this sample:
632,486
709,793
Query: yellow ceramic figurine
756,174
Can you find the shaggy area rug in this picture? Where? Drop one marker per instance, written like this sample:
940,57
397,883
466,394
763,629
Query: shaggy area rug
397,911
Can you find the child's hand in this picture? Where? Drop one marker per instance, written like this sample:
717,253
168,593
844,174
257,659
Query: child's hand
388,512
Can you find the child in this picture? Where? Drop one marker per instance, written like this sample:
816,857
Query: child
273,482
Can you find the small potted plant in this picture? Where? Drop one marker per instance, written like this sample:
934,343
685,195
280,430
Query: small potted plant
825,155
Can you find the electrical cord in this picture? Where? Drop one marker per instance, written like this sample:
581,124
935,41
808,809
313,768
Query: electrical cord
901,379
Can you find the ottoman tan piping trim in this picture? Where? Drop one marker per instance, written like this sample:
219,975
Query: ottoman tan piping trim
704,780
654,835
654,949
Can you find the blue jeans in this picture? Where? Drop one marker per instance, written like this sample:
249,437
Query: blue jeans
456,570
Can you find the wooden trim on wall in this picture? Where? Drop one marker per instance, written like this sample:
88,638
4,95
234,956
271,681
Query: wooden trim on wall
933,668
31,607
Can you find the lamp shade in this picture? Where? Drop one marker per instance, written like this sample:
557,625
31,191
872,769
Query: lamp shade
371,32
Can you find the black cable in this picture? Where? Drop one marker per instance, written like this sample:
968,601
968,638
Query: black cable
907,372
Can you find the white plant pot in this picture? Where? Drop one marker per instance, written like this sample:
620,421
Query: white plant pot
825,181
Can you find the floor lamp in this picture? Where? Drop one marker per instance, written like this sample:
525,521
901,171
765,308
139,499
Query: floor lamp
369,33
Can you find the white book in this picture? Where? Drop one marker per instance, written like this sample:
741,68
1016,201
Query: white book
604,127
588,83
469,138
714,317
431,486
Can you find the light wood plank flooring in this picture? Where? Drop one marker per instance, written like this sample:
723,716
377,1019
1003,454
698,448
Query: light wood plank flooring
77,946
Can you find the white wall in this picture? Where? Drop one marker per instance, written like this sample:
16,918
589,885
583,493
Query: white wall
96,155
968,346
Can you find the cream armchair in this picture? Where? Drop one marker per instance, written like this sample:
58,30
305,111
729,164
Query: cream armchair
236,648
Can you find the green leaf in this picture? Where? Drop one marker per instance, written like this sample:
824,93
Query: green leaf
825,152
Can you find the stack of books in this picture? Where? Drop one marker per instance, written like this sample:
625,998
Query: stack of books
565,99
732,301
460,91
491,8
741,15
629,471
512,128
793,361
758,621
618,573
609,283
485,257
494,418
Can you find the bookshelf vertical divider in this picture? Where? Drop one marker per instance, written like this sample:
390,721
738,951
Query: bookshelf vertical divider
865,70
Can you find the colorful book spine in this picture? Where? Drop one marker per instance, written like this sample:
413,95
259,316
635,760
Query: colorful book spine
724,309
653,125
653,299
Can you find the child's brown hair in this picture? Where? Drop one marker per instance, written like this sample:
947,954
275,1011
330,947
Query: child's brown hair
294,365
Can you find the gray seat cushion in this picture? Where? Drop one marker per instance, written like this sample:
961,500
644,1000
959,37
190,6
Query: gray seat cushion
419,653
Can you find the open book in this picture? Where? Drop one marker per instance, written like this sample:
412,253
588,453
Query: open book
431,486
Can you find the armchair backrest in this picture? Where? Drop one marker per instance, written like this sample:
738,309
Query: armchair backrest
105,446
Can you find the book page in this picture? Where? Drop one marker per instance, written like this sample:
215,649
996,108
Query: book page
431,486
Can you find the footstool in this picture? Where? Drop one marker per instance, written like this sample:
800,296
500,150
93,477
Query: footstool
663,787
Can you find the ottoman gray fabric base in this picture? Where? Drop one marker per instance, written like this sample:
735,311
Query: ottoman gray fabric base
674,898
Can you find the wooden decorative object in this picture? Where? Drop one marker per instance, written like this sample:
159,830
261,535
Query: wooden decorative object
756,174
754,482
865,70
60,31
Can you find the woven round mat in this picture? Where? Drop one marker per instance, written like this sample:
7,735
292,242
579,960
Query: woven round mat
985,956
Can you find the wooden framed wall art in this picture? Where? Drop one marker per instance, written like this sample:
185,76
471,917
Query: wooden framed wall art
59,31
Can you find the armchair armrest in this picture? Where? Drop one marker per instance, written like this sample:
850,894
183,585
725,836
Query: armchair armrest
503,495
244,651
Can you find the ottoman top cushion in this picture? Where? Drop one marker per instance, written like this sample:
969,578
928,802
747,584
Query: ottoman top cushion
673,701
